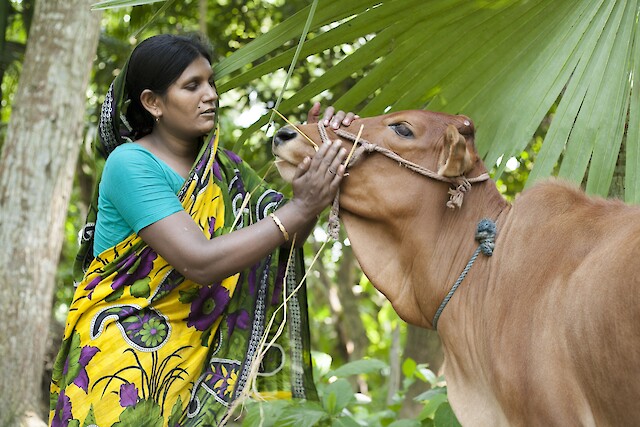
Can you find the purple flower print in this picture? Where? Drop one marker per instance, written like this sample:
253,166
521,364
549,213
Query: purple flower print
74,369
62,414
134,267
216,170
238,186
135,322
208,306
233,156
147,329
128,395
86,354
92,285
238,318
212,225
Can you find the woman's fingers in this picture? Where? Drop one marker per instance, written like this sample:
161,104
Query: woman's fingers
328,115
350,117
336,120
341,119
303,167
329,157
318,179
314,113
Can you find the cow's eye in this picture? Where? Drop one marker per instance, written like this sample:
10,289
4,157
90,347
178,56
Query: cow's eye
402,130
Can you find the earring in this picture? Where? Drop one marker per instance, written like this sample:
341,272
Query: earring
157,119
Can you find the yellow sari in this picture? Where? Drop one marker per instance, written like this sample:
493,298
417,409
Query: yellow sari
143,346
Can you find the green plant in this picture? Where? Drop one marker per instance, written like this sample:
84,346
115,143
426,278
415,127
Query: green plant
340,406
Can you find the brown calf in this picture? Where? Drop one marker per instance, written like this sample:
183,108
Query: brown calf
546,331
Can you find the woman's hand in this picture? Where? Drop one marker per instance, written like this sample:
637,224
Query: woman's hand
317,179
330,117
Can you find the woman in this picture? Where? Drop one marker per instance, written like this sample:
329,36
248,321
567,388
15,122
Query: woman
185,260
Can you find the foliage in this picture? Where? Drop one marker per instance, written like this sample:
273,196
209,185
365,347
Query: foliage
530,74
340,406
505,63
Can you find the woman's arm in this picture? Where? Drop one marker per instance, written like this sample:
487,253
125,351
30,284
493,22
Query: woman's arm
179,240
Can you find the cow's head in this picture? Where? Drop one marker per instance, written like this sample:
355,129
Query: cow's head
389,209
438,142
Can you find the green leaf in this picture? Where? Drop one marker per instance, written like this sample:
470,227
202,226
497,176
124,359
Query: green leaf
431,406
303,414
426,375
265,413
53,401
405,423
330,11
344,422
409,367
445,417
115,295
430,394
632,167
90,419
176,412
188,296
337,396
358,367
140,288
145,412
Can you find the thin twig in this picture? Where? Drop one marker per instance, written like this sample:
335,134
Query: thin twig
296,128
353,148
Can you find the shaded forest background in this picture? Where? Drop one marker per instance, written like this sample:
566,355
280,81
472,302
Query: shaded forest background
384,363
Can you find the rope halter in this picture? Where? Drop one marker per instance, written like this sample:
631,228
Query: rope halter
486,236
460,185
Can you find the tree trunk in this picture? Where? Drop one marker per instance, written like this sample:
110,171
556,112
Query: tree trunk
423,346
352,337
36,175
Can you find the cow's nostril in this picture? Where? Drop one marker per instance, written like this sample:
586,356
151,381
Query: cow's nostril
285,134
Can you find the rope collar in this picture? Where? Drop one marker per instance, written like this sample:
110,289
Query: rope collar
486,235
485,232
460,185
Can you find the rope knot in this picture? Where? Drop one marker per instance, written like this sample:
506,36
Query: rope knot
486,236
456,195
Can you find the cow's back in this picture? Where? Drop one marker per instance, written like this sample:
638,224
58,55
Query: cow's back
565,267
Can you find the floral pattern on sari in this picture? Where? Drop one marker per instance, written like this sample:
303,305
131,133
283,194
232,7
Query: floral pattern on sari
145,346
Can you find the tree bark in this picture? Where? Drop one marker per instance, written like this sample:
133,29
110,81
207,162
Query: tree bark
352,337
423,346
36,175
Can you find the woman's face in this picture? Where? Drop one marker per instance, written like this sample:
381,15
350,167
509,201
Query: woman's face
189,106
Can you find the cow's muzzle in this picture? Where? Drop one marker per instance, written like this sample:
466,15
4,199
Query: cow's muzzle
284,135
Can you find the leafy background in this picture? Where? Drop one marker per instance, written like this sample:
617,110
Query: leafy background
549,85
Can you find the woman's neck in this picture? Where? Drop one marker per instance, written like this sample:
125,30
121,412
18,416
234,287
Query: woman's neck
178,153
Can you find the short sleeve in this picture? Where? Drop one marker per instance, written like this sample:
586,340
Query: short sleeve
140,187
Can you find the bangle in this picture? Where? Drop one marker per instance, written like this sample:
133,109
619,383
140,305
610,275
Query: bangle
280,226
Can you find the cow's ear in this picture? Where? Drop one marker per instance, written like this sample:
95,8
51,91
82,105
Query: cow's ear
457,157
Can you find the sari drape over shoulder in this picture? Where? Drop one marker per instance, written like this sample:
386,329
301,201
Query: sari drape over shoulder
143,346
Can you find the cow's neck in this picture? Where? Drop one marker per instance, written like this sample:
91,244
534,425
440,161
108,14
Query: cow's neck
415,259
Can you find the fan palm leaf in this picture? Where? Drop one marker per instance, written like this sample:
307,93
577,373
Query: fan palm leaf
504,63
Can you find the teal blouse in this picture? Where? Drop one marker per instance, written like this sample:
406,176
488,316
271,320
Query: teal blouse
136,190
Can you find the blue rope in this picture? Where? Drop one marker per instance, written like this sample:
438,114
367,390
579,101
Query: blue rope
486,235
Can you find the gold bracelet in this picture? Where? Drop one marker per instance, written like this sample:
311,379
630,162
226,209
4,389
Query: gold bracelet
280,226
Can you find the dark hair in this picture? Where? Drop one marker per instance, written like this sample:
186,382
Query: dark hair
155,64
